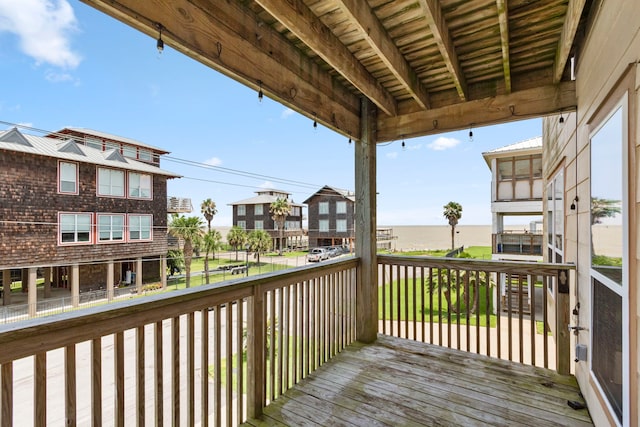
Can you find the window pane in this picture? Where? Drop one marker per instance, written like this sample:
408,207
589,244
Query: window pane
323,208
505,170
537,167
68,177
129,151
558,209
523,169
341,207
324,225
341,225
258,210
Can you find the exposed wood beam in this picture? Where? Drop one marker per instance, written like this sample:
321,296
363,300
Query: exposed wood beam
525,104
360,15
503,19
440,31
571,21
231,39
301,21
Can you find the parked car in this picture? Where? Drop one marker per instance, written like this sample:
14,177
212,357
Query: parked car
334,251
317,255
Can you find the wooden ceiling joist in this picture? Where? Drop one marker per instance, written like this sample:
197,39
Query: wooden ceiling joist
440,31
525,104
228,37
503,19
571,21
300,20
370,28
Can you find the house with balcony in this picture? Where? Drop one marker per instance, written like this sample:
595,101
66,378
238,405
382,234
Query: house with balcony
331,217
516,191
350,321
90,218
253,214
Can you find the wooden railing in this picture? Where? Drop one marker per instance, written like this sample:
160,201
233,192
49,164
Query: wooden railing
479,306
207,355
517,243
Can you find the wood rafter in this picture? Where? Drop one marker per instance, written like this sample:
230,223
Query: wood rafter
572,19
301,21
440,31
228,37
525,104
370,28
503,19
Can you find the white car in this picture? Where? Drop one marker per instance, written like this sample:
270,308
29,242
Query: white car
317,255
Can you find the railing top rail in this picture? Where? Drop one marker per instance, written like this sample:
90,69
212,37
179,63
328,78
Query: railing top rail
499,266
31,336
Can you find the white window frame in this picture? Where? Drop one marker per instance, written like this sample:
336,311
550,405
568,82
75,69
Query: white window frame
111,217
101,177
341,207
620,289
61,166
341,226
138,227
323,208
129,151
242,210
140,188
258,225
258,210
75,215
242,224
323,226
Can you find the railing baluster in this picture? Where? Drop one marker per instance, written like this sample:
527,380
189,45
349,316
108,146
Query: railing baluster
520,317
217,364
286,328
476,303
229,362
467,297
118,359
532,317
405,285
449,286
7,395
204,367
280,349
415,305
440,285
70,384
296,332
96,382
545,317
239,363
272,345
159,371
175,378
422,301
509,313
40,392
306,339
431,289
140,385
487,296
458,308
498,313
383,279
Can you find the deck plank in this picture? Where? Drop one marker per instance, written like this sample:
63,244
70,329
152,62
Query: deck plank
399,382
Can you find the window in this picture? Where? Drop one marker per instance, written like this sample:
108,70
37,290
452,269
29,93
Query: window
129,151
139,185
144,155
295,211
341,226
110,182
323,225
111,146
140,227
110,228
68,176
259,225
75,228
323,208
341,207
242,210
94,143
242,224
505,170
258,210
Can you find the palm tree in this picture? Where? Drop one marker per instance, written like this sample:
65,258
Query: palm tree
208,210
237,238
189,229
453,212
279,210
259,242
211,242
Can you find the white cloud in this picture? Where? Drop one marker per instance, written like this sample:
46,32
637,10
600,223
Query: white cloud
443,143
266,184
214,161
286,113
54,77
43,28
414,147
392,155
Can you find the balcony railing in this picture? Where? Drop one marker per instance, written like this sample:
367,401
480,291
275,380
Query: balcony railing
456,303
179,205
219,354
517,243
212,354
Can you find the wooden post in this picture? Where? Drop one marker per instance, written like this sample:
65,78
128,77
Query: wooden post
110,280
75,285
255,354
47,282
367,279
32,297
139,275
563,339
163,271
6,287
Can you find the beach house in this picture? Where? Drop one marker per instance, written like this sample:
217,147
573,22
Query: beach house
331,217
347,340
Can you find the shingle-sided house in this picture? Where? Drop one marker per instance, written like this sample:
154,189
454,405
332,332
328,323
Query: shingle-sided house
253,214
83,217
331,217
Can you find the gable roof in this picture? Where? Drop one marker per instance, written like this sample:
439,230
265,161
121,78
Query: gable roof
346,194
15,141
266,196
525,147
105,135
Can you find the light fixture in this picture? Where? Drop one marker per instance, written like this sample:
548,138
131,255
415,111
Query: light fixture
561,120
260,93
160,43
403,144
349,140
315,122
573,204
471,133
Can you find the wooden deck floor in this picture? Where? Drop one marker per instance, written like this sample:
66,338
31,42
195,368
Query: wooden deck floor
397,382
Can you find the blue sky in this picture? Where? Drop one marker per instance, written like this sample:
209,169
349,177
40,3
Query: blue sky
66,64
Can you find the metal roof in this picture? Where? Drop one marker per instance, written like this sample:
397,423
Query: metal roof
105,135
10,140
